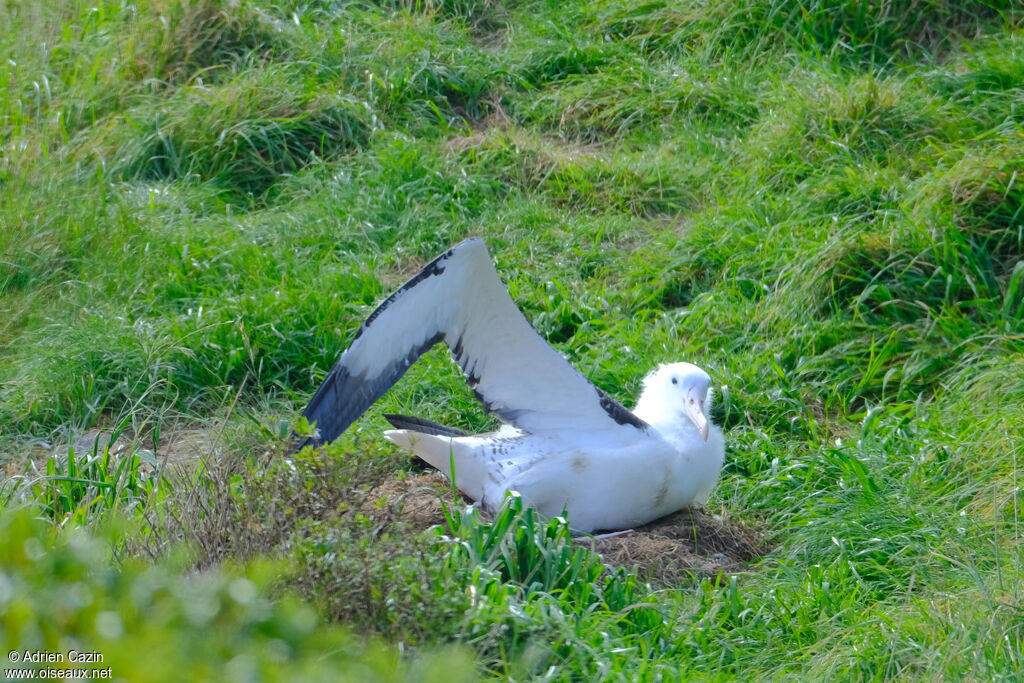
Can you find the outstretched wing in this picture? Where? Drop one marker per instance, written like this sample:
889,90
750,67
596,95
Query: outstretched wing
458,298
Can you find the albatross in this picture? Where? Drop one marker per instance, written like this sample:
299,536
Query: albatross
565,446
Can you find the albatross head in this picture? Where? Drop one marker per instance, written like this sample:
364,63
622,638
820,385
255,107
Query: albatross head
676,392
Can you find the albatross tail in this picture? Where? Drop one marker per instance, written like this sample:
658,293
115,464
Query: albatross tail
441,452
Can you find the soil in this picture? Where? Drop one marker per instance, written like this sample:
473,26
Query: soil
675,549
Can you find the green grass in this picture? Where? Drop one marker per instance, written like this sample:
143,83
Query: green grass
818,201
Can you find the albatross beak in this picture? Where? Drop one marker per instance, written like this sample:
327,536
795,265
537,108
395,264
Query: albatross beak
694,409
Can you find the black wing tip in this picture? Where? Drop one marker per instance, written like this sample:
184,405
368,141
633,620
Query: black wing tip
424,426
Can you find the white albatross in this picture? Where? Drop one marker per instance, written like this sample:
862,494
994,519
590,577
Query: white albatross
565,445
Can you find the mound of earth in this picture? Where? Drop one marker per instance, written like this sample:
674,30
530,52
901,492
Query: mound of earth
668,551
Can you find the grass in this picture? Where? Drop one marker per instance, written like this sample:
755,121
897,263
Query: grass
819,202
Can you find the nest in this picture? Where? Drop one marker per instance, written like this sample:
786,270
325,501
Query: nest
675,549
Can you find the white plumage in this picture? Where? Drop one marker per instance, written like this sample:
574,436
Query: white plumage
565,445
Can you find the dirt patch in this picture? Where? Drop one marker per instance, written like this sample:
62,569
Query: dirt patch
184,446
672,550
179,446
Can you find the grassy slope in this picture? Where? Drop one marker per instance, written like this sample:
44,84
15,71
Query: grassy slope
819,202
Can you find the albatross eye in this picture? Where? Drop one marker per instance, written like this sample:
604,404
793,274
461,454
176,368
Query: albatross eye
675,381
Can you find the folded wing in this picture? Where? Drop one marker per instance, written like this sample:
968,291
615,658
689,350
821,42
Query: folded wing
458,298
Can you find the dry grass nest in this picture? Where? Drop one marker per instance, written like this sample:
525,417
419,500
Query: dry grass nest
685,545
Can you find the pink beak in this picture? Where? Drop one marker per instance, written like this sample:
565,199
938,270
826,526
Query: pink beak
694,409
